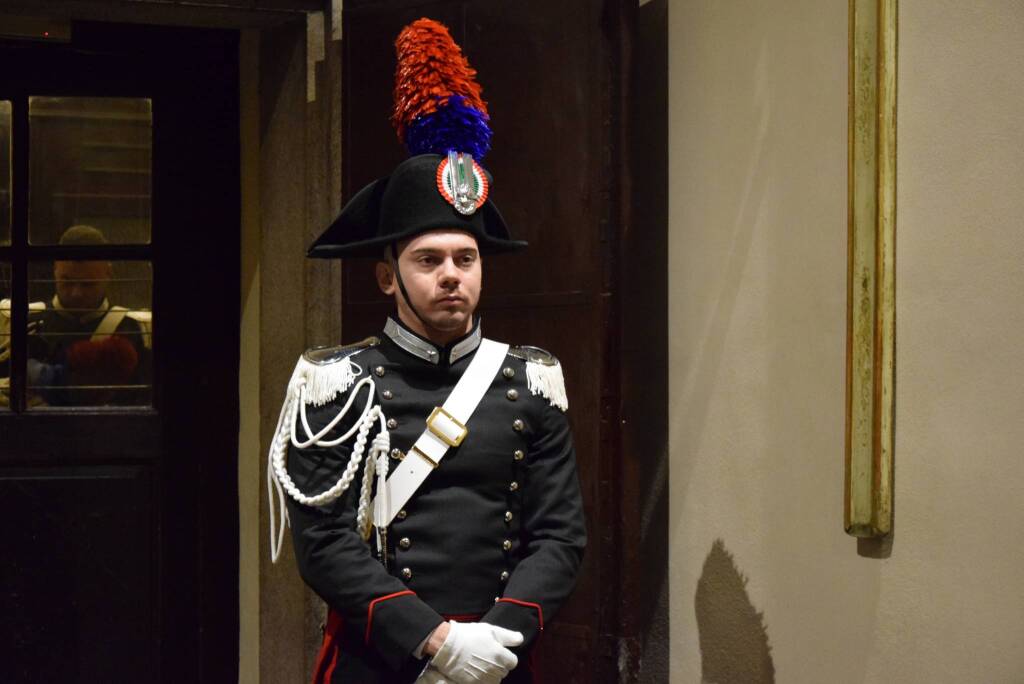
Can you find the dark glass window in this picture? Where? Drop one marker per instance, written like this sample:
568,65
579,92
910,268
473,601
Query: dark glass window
76,274
90,163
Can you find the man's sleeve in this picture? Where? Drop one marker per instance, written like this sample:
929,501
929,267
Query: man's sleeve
337,564
553,529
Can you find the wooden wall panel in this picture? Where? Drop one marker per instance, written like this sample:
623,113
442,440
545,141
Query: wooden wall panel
76,591
548,75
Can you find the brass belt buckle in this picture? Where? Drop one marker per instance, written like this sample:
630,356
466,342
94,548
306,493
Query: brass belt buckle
416,450
450,441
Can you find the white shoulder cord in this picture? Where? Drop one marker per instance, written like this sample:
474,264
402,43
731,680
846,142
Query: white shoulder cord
278,480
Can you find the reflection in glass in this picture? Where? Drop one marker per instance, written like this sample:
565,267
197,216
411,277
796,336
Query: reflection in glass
90,161
90,341
5,172
5,335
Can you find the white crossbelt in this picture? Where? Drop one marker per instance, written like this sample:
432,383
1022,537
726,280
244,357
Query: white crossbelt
446,428
110,323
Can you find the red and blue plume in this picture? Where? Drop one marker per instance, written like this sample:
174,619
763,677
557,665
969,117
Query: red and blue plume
438,108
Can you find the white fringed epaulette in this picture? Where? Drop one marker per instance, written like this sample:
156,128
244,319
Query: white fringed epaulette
327,372
543,374
321,375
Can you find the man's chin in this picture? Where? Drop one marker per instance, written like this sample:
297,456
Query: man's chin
451,322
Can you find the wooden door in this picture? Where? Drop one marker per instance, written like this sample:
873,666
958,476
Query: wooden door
118,499
553,75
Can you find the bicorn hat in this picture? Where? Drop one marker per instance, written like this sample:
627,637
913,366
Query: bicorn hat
443,122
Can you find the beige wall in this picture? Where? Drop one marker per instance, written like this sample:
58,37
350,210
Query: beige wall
757,312
291,188
299,299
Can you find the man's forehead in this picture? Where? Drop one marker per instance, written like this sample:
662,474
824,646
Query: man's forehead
73,267
441,240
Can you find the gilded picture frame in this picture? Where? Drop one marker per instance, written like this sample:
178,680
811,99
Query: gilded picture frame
871,288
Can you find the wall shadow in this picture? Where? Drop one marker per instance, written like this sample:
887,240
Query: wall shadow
734,644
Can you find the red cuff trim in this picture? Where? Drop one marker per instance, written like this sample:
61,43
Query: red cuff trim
535,606
469,617
374,602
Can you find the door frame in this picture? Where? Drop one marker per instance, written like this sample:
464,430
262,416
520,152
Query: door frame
195,479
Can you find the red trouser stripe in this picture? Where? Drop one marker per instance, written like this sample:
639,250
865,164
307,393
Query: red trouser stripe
327,659
535,606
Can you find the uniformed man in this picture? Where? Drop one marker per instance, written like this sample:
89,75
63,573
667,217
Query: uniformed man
429,473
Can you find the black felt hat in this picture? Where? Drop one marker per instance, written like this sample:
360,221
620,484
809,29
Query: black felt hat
404,204
442,120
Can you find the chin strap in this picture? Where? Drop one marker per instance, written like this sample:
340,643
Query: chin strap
401,285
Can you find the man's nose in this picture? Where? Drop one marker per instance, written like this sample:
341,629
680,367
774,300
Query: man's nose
449,272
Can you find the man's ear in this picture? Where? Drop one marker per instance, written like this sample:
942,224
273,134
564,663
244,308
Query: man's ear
385,278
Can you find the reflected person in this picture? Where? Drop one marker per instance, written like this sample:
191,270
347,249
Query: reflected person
86,351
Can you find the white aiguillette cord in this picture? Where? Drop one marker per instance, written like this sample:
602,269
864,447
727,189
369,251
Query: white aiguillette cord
320,385
449,420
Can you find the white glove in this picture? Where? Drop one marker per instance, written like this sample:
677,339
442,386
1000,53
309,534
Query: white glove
476,653
431,675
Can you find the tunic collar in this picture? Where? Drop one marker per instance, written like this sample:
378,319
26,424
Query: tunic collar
427,350
77,315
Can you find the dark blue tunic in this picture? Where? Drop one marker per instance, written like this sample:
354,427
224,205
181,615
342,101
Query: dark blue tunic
495,533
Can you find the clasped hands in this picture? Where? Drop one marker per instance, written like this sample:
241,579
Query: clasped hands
472,653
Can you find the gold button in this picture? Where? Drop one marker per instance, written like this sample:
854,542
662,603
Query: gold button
513,487
504,575
379,371
401,515
507,545
508,372
508,516
387,394
518,455
512,395
404,542
397,454
518,425
406,573
392,423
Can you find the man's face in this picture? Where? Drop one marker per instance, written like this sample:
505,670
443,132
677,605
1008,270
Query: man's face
442,273
82,284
